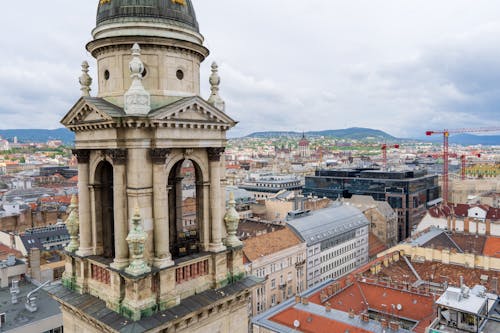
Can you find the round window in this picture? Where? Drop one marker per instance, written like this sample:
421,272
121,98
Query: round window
106,75
144,72
179,74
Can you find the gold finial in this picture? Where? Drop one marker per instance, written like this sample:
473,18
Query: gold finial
102,2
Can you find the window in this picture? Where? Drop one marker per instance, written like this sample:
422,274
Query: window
273,300
289,276
273,283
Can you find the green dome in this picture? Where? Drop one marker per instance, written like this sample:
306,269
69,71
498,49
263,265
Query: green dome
175,12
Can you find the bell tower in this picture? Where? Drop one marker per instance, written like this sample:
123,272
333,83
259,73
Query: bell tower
153,249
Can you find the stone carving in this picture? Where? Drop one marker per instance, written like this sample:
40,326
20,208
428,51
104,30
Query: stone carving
214,154
85,80
214,98
136,240
82,155
137,99
159,155
232,219
119,156
73,226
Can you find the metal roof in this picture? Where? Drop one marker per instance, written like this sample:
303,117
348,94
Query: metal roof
326,223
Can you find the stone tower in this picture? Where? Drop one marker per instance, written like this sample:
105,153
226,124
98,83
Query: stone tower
145,262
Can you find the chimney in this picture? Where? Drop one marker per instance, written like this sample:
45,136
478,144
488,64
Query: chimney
365,317
14,291
328,307
351,313
394,325
383,322
297,299
305,301
461,281
34,263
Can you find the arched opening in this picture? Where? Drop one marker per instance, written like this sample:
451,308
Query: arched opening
104,209
185,208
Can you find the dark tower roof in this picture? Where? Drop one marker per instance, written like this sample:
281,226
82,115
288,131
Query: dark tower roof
176,12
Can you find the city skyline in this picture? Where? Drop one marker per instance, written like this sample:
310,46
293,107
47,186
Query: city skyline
385,66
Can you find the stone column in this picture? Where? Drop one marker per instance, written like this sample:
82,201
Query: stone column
162,256
83,157
119,157
214,158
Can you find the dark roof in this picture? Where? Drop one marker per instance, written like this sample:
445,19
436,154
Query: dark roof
38,237
16,314
97,309
180,13
105,106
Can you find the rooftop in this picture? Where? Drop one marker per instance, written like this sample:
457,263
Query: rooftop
329,222
269,243
16,314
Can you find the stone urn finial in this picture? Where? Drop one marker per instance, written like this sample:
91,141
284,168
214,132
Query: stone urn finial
137,99
73,225
214,98
232,219
85,80
136,240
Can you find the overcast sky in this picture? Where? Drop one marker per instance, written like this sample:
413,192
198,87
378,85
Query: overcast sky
396,65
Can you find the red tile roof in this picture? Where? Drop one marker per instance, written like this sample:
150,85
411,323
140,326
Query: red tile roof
462,210
492,247
311,323
269,243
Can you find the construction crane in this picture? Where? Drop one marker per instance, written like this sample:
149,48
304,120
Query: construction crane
463,159
446,133
384,153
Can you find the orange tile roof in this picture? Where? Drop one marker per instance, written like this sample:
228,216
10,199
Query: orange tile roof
492,247
269,243
5,251
311,323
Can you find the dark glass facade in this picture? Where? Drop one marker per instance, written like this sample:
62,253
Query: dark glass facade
407,192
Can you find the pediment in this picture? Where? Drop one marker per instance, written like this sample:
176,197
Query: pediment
91,111
192,109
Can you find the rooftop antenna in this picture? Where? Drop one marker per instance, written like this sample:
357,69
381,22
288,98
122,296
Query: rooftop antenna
30,304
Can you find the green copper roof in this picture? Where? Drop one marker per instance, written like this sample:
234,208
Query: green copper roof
176,12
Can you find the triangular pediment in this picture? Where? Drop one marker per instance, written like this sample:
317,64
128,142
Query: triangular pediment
192,109
90,110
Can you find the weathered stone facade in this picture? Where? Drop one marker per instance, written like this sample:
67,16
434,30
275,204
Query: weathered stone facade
129,167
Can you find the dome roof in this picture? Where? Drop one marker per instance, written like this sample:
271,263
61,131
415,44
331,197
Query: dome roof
175,12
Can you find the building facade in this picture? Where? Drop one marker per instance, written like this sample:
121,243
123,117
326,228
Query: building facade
278,257
337,241
268,186
407,192
135,266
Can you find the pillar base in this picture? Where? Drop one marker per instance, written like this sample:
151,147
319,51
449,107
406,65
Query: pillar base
84,252
216,247
119,264
163,263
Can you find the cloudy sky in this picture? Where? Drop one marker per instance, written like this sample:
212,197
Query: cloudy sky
400,66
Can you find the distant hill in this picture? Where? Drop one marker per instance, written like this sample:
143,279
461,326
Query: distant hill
354,133
466,139
38,135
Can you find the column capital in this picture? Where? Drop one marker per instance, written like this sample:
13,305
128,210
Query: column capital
159,155
214,154
119,156
82,155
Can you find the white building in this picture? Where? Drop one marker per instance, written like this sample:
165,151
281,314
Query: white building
336,238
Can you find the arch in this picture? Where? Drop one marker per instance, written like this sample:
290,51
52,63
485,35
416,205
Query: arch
104,209
185,207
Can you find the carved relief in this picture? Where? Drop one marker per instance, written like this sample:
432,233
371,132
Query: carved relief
119,156
159,155
214,154
82,155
